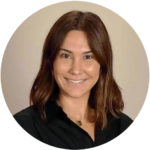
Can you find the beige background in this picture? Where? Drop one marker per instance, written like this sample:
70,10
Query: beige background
22,56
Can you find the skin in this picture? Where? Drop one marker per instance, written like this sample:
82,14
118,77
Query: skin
76,65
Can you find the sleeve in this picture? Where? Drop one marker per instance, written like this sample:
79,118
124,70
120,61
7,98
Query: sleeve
27,123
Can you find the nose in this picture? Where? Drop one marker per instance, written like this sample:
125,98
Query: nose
76,67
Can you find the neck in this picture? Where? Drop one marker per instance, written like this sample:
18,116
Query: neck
75,108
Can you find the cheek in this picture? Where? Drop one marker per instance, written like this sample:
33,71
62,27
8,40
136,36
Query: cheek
60,70
94,74
59,66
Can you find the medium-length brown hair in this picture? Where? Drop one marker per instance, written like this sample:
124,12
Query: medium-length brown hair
105,97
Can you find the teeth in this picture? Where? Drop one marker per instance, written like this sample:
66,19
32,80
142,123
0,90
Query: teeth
76,81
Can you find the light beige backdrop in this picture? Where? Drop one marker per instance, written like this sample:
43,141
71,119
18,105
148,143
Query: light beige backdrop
22,56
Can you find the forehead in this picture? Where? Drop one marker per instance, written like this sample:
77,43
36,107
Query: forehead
75,40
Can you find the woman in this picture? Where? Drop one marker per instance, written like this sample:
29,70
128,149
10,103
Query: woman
76,102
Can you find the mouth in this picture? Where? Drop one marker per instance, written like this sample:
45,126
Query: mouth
73,83
74,80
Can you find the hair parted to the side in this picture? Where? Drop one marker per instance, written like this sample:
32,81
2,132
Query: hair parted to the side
105,96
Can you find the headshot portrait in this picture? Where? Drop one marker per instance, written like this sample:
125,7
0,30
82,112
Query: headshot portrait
74,79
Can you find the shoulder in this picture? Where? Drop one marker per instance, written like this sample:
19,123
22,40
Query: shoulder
124,121
119,124
25,114
125,118
26,119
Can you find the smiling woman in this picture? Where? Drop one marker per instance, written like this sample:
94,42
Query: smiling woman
76,102
76,75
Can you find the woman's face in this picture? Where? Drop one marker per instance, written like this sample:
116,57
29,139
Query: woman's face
76,70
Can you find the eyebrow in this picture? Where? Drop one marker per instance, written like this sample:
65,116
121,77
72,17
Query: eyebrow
72,52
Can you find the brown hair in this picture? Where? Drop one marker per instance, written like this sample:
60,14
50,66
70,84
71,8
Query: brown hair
105,96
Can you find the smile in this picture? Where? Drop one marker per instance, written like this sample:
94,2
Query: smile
75,81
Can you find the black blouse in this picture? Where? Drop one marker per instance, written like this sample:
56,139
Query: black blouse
62,132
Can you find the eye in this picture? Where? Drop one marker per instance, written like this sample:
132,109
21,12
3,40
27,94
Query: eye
64,55
89,56
85,56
